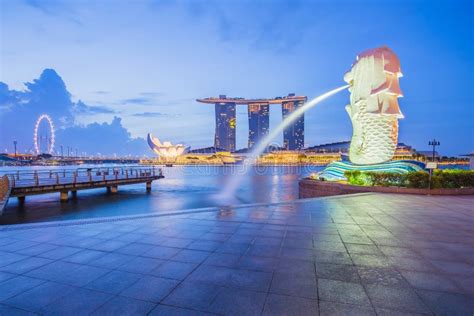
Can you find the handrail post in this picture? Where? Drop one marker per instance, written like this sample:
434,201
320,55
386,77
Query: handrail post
36,178
18,175
57,178
126,173
50,174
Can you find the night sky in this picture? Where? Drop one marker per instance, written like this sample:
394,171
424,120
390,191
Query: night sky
145,62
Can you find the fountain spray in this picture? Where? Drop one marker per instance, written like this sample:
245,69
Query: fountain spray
227,193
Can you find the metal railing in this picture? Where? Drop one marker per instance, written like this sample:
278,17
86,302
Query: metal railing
32,178
4,187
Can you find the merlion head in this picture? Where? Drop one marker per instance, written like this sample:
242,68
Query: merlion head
373,108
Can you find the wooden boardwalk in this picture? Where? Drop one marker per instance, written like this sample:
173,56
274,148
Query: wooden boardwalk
5,189
24,183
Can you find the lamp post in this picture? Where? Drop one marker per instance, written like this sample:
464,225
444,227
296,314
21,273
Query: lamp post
433,143
62,154
14,145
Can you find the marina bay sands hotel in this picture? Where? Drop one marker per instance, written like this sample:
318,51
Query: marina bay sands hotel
259,123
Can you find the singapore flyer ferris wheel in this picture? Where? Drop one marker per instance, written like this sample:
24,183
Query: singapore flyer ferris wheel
37,138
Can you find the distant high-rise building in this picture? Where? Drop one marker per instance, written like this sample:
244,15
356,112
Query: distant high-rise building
225,125
259,122
293,135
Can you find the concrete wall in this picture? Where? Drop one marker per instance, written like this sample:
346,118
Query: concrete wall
315,188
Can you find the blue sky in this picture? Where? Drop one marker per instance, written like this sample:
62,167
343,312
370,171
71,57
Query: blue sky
147,61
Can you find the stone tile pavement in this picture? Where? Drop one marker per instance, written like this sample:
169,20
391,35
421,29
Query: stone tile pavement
363,254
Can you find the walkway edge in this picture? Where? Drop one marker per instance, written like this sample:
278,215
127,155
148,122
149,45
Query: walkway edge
106,219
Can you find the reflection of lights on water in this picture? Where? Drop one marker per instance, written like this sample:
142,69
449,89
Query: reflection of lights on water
275,178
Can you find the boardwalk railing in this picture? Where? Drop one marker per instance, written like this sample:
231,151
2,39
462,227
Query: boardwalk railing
49,177
32,182
4,192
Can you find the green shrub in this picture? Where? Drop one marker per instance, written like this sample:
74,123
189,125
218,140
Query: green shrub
453,178
356,177
386,178
418,179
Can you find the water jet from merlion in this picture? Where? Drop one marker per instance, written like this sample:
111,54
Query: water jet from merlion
374,112
228,192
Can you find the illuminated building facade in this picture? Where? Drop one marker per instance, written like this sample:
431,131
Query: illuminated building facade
259,122
259,118
225,125
293,136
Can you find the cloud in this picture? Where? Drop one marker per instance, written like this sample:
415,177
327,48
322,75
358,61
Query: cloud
100,92
8,97
84,109
43,6
152,94
139,100
149,114
258,23
48,95
107,138
55,8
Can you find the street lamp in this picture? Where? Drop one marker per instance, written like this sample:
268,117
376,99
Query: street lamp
14,145
433,143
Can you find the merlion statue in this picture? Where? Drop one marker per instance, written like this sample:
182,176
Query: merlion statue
374,109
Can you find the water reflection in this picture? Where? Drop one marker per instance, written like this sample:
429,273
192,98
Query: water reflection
184,187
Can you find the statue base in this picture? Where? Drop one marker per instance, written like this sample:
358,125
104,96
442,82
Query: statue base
335,170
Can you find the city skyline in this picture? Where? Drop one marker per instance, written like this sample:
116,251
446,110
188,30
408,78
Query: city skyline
154,83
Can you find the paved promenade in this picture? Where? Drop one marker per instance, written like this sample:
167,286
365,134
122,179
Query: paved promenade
365,254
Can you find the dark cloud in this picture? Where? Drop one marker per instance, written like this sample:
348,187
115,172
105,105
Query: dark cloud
42,5
139,100
84,109
261,29
21,109
56,8
101,92
48,95
152,94
8,97
149,114
153,99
